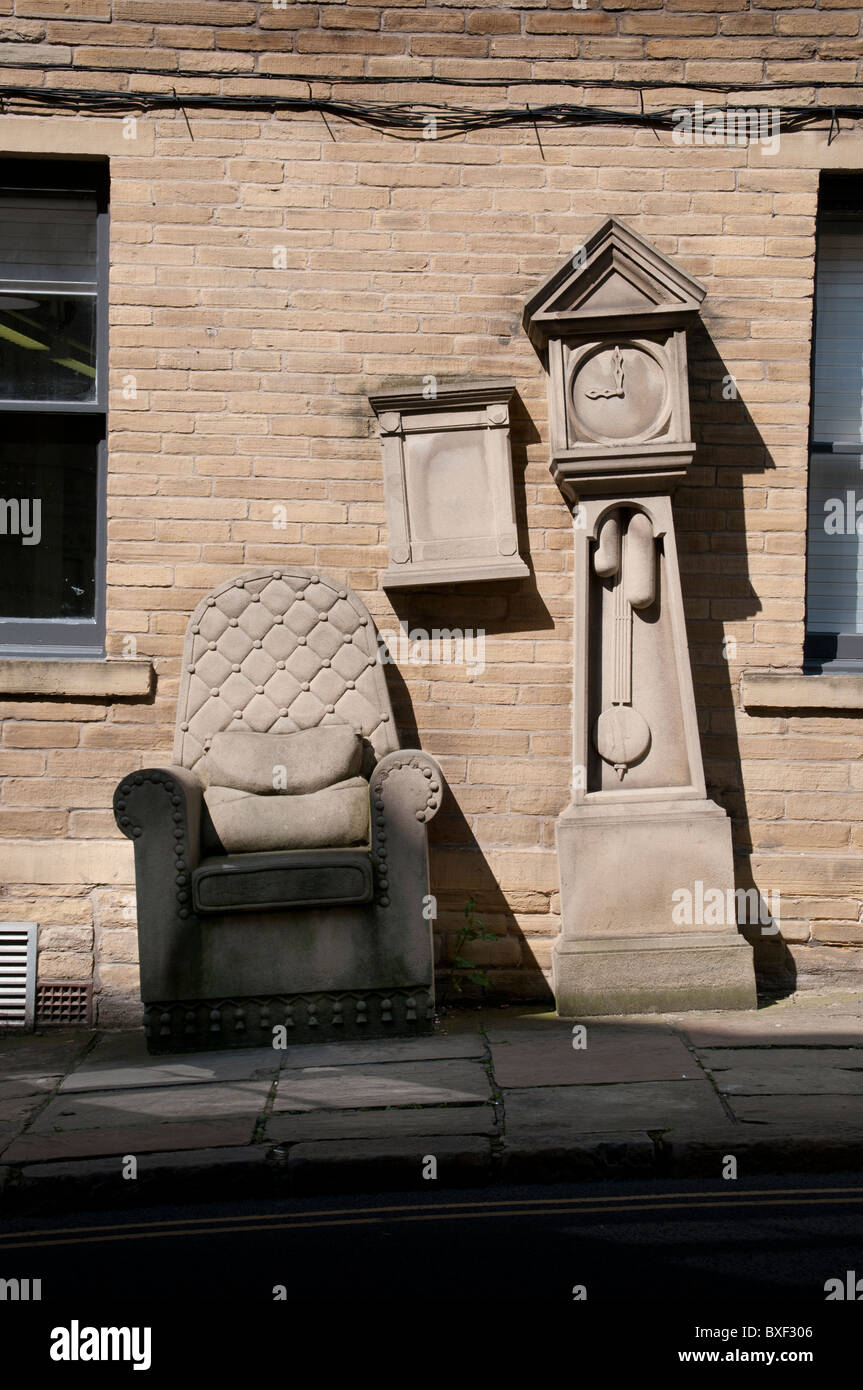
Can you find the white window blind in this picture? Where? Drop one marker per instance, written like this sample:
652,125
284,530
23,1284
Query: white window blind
47,240
837,406
835,548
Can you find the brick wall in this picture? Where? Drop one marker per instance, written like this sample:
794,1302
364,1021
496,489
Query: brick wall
403,259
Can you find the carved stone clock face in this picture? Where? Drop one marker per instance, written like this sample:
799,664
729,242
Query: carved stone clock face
618,392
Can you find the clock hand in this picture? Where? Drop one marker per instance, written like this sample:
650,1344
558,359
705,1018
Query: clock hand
617,369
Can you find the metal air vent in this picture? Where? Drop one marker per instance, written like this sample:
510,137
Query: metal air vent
63,1004
17,975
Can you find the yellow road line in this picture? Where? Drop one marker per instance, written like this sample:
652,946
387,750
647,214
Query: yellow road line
450,1211
619,1199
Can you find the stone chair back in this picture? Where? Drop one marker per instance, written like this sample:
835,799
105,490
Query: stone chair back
277,650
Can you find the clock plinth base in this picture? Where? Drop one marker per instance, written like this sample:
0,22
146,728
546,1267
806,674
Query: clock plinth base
651,975
649,912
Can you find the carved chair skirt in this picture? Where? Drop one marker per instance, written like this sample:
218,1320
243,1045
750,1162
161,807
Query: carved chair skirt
281,863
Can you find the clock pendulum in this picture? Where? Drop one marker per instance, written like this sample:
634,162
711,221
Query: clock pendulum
622,735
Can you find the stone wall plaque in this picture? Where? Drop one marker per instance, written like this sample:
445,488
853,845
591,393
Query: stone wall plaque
448,484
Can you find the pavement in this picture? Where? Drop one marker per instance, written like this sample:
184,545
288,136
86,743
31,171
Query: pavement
496,1095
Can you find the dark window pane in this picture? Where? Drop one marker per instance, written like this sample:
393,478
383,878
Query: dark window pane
48,509
45,238
47,347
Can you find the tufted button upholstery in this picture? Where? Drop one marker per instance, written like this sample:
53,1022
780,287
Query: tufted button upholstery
283,650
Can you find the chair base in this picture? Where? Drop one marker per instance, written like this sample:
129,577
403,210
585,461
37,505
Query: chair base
256,1021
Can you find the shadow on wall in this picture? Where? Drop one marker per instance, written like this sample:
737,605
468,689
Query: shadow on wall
709,518
454,728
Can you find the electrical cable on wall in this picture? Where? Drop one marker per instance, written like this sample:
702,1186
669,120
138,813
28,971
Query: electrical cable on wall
409,120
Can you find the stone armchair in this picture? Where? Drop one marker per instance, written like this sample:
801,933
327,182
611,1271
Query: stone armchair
281,864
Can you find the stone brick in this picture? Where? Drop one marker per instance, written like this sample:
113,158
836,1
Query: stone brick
63,939
32,823
837,933
91,825
15,764
65,9
65,965
61,913
118,946
49,55
21,735
21,31
117,978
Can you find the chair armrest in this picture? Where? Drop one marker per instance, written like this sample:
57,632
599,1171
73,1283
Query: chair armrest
159,810
419,778
159,801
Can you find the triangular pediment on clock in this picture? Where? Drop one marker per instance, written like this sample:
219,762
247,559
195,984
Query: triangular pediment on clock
616,276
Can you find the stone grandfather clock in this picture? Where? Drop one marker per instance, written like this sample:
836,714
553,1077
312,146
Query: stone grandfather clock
610,326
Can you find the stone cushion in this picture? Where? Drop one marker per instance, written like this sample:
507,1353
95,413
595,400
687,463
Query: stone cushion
333,817
299,763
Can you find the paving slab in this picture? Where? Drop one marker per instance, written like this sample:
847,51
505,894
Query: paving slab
100,1071
624,1023
643,1105
122,1046
799,1026
199,1161
9,1131
110,1109
393,1083
370,1165
611,1054
437,1046
16,1110
518,1021
549,1028
28,1086
189,1176
373,1124
824,1116
787,1071
135,1140
546,1156
25,1055
769,1151
15,1115
460,1022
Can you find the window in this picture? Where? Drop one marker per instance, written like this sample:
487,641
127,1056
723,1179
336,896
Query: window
53,402
834,580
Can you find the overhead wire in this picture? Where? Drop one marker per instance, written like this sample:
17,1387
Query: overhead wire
408,119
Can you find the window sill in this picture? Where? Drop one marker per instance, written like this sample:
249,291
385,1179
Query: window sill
122,679
797,690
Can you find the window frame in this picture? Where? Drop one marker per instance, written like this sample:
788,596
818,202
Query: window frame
70,638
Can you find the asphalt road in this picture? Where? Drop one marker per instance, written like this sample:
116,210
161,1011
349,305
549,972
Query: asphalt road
680,1255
